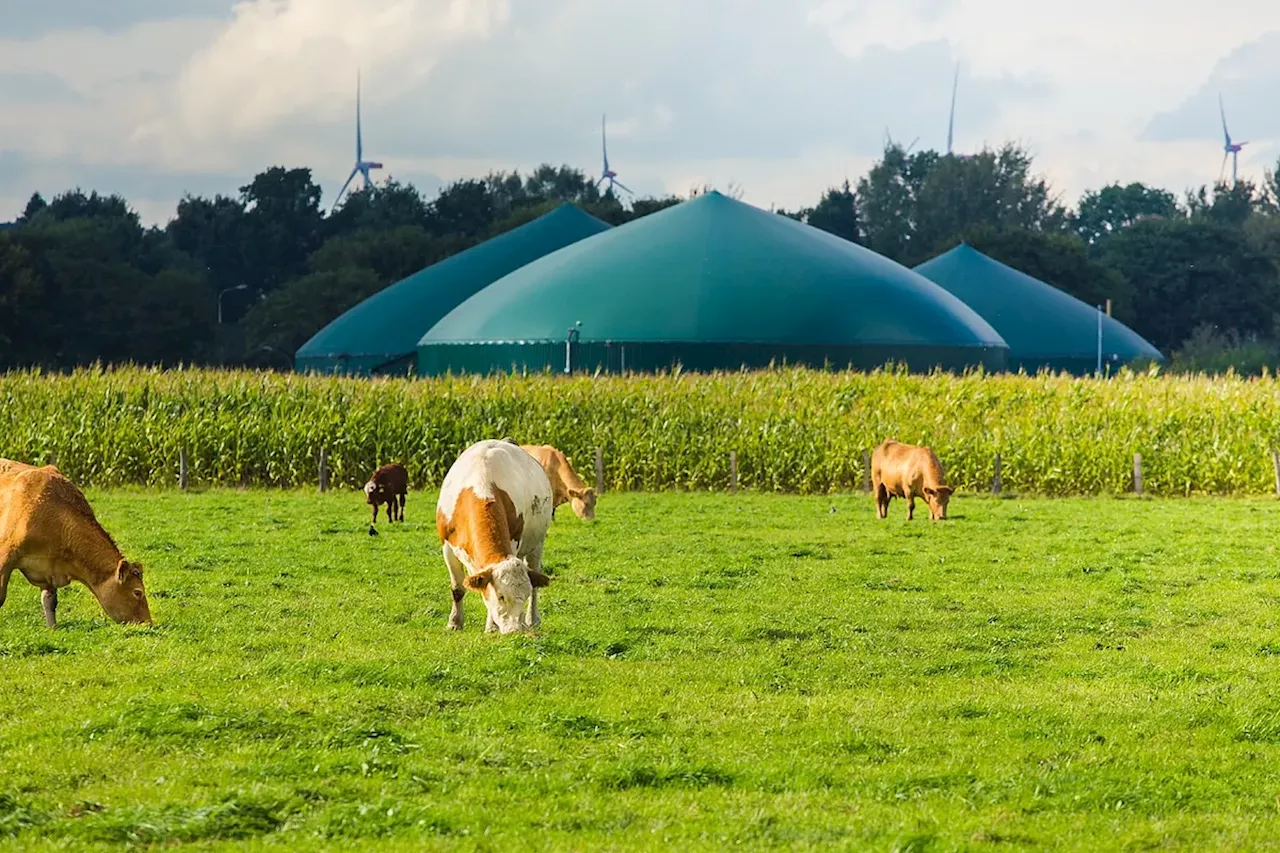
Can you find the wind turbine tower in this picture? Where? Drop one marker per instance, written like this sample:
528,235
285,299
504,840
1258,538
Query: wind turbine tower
362,166
608,174
1229,148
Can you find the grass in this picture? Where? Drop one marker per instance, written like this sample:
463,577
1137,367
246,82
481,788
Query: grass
757,671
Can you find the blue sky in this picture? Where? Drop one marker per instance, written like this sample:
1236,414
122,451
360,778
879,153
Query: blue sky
154,98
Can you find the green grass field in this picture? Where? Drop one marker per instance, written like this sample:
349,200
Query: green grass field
714,671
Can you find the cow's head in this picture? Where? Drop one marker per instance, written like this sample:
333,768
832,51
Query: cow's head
375,493
123,596
505,588
584,502
937,500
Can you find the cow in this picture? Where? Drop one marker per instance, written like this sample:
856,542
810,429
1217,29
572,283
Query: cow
566,485
905,471
49,533
492,518
389,484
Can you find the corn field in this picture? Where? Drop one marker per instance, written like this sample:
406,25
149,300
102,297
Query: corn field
793,430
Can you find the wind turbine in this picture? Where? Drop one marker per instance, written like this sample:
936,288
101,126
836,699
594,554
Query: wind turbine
608,174
1229,148
362,166
889,143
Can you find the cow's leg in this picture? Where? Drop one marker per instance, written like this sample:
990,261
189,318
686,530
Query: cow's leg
402,500
532,616
7,564
457,574
881,497
49,598
911,505
375,514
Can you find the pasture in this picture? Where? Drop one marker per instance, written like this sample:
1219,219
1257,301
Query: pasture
714,670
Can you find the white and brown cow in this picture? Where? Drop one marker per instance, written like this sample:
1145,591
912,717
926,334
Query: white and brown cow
492,516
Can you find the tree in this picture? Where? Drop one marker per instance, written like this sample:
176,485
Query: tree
1104,212
389,254
286,319
837,213
1229,205
1060,260
463,208
215,234
35,204
24,307
1189,272
389,205
283,225
912,206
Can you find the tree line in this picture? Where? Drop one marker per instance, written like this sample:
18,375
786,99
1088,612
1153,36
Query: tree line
248,279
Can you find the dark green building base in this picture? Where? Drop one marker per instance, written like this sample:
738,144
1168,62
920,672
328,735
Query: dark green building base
437,359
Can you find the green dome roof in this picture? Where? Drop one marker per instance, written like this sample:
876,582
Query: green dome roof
1044,327
383,330
711,283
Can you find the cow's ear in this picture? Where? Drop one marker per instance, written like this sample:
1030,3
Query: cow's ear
538,578
946,490
122,571
577,494
930,492
478,581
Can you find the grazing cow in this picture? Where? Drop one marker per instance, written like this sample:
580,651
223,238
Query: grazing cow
49,533
389,484
906,471
566,485
492,517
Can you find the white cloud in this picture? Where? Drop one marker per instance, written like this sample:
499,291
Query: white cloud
781,98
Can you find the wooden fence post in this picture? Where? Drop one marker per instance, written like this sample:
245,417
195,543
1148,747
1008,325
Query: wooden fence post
995,481
1275,461
182,469
324,470
599,470
733,471
1137,473
866,471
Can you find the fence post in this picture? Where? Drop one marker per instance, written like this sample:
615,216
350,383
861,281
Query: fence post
1137,473
324,470
733,471
599,470
182,469
1275,461
866,471
995,481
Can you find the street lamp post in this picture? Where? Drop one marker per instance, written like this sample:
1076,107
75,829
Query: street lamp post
225,292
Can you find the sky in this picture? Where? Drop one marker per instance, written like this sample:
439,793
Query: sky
777,99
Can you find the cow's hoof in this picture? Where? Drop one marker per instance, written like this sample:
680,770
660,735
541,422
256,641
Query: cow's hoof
453,626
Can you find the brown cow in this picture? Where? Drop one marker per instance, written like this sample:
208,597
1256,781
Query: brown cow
906,471
49,533
389,484
566,485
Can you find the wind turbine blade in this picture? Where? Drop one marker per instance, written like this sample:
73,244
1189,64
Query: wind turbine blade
621,186
912,145
359,141
951,122
338,197
1223,171
1223,110
604,143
